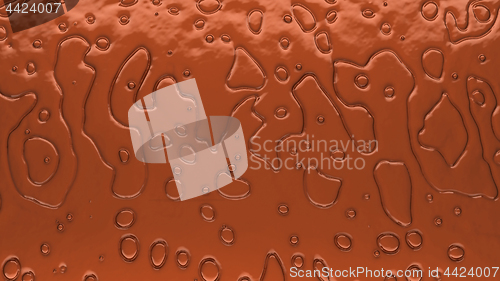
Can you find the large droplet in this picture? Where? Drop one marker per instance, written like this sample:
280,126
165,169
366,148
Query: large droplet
322,41
12,269
158,254
481,12
430,11
456,253
209,269
304,17
388,243
246,73
414,239
125,218
433,63
207,213
343,242
183,258
129,248
209,6
255,20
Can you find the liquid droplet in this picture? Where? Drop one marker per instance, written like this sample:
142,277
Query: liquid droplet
207,213
362,81
294,240
454,76
3,33
44,115
37,44
60,227
186,73
367,196
101,258
281,74
209,269
389,92
225,38
129,248
482,13
284,43
332,16
320,119
12,269
63,27
287,18
350,213
304,17
337,155
478,97
28,276
456,253
255,20
91,277
63,268
199,24
209,6
298,261
376,253
283,209
69,217
482,58
124,155
226,235
429,198
158,254
281,113
388,243
496,158
403,38
102,43
14,68
343,242
322,41
457,211
45,249
90,19
30,68
368,13
430,11
298,66
209,38
182,258
125,218
386,29
131,85
414,240
438,221
124,19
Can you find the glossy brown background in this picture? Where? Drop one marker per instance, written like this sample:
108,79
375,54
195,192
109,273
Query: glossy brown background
427,93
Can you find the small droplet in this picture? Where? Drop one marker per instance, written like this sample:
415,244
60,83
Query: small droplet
46,160
12,269
298,261
362,81
170,52
101,258
63,268
429,198
156,14
430,11
102,43
124,155
294,240
320,119
366,196
386,29
91,277
343,242
478,97
388,243
298,66
458,211
438,221
225,38
298,165
389,92
131,85
45,249
231,168
156,2
37,44
283,209
281,74
207,213
210,38
350,213
454,76
414,239
199,24
376,253
91,19
129,248
28,276
60,227
337,155
237,157
125,219
27,132
14,68
186,73
287,18
402,38
177,170
281,113
124,19
63,27
331,17
368,13
44,115
182,258
456,253
385,4
284,43
205,190
69,217
174,11
226,235
482,58
30,68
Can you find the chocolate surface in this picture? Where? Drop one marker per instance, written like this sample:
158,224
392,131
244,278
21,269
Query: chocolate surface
411,87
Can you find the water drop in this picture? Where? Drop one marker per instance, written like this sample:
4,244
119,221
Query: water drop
124,19
283,209
343,242
177,170
366,196
284,43
226,235
209,38
478,97
496,158
199,24
430,11
45,249
337,155
63,27
281,112
298,66
225,38
438,221
281,74
376,253
186,73
403,38
255,20
457,211
27,132
368,13
429,198
102,43
3,33
388,243
386,29
287,18
91,19
414,239
37,44
43,116
482,58
156,2
63,268
124,155
361,81
207,213
350,213
208,6
389,92
320,119
90,277
28,276
125,218
12,269
205,190
158,254
298,261
14,68
332,16
131,85
174,11
182,258
129,248
482,13
456,253
454,76
294,240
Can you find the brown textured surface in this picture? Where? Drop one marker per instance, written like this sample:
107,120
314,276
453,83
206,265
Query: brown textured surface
420,77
